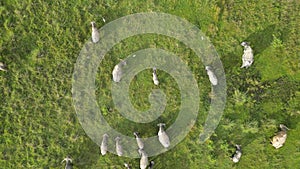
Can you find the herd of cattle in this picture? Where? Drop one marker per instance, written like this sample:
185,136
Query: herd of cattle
247,59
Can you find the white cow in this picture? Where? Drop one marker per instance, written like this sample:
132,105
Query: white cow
68,161
278,140
138,140
247,57
211,75
103,146
154,77
144,159
119,148
162,136
3,66
95,33
151,164
127,166
117,71
237,155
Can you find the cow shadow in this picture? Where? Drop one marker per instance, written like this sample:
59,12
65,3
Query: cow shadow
261,40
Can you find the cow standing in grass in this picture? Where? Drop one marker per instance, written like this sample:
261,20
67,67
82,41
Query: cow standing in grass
144,159
103,147
117,71
138,140
154,77
162,136
3,67
151,165
211,75
127,166
237,155
278,140
247,57
119,148
95,33
69,164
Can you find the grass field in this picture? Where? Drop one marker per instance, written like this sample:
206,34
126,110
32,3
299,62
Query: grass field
41,40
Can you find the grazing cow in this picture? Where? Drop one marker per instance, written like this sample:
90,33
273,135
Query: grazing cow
237,155
119,148
138,140
279,139
103,146
162,136
3,67
211,75
144,159
247,57
117,71
127,166
154,77
151,165
69,164
95,33
103,19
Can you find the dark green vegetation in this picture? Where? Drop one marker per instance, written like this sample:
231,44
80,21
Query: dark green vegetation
40,41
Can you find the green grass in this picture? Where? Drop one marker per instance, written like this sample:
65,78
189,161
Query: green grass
40,42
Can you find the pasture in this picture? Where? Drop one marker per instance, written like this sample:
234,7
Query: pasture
41,40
